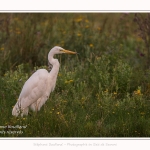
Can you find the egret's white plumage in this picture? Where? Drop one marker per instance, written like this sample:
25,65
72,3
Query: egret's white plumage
38,87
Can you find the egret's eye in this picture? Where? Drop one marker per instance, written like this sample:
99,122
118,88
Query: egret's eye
61,50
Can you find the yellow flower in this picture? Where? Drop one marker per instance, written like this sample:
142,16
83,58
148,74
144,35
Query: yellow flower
142,113
139,39
58,113
99,28
83,98
78,34
91,45
98,57
2,48
116,105
45,23
78,19
138,92
16,18
97,95
64,32
59,75
64,101
86,21
68,81
18,32
106,91
115,93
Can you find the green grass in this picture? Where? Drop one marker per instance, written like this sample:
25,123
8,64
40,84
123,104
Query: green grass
103,91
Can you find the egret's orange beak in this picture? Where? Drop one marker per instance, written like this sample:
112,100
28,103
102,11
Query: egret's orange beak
69,52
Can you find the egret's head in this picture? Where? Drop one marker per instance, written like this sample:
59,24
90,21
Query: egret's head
57,50
60,50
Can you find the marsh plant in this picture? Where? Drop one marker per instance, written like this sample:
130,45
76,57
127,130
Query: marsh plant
143,30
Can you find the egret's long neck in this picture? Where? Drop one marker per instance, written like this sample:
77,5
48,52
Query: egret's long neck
55,65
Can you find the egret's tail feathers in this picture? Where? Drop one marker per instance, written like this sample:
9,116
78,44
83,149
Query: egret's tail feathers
16,111
19,111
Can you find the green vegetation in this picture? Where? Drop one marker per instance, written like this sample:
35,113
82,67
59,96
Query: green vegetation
104,91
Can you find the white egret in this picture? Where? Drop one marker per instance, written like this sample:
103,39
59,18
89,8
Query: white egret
38,87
